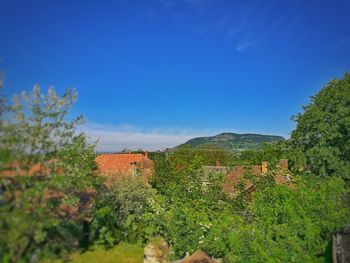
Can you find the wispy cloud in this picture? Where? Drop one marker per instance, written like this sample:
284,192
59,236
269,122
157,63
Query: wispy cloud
257,31
341,43
244,45
112,138
46,65
245,24
117,137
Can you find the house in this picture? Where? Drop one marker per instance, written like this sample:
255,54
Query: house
40,171
108,164
16,168
241,176
124,164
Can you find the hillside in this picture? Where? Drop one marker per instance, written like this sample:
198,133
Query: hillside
232,141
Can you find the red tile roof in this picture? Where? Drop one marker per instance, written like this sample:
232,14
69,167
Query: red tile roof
122,164
16,168
237,176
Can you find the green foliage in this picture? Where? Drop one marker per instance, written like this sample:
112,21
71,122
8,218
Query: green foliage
122,253
41,211
179,172
28,228
323,130
279,224
232,142
270,152
289,225
35,127
273,153
190,206
212,154
124,212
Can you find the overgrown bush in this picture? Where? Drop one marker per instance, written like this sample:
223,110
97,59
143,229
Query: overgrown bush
125,211
47,178
289,225
47,213
323,130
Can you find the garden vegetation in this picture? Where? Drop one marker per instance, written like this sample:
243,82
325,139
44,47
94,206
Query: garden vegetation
64,208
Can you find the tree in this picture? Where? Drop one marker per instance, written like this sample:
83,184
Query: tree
124,212
323,130
280,229
273,153
47,177
175,171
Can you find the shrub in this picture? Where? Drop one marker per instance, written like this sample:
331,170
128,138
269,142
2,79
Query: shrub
290,225
125,212
323,130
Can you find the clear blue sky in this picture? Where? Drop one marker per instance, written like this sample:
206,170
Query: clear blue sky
176,67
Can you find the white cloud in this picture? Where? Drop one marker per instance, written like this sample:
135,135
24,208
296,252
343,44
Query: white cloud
117,137
113,138
244,45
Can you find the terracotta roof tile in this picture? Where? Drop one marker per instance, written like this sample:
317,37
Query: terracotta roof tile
122,163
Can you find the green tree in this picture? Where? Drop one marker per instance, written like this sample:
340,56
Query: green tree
47,177
125,211
323,130
190,205
213,153
175,171
290,225
273,153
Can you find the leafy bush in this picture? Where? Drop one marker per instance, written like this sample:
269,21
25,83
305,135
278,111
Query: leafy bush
42,210
285,224
290,225
190,206
124,212
46,214
323,130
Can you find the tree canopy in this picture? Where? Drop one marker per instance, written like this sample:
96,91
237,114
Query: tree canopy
42,209
63,207
323,130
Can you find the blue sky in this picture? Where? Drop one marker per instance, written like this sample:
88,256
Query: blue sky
154,73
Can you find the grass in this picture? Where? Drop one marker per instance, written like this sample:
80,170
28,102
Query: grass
122,253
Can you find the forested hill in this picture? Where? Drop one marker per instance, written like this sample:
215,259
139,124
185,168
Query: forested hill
232,141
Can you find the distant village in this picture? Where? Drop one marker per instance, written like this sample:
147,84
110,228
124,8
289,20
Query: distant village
114,166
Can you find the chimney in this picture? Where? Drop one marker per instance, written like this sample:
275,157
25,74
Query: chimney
264,167
284,164
146,154
217,163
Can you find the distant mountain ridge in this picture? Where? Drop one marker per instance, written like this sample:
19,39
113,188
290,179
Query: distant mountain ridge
233,141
